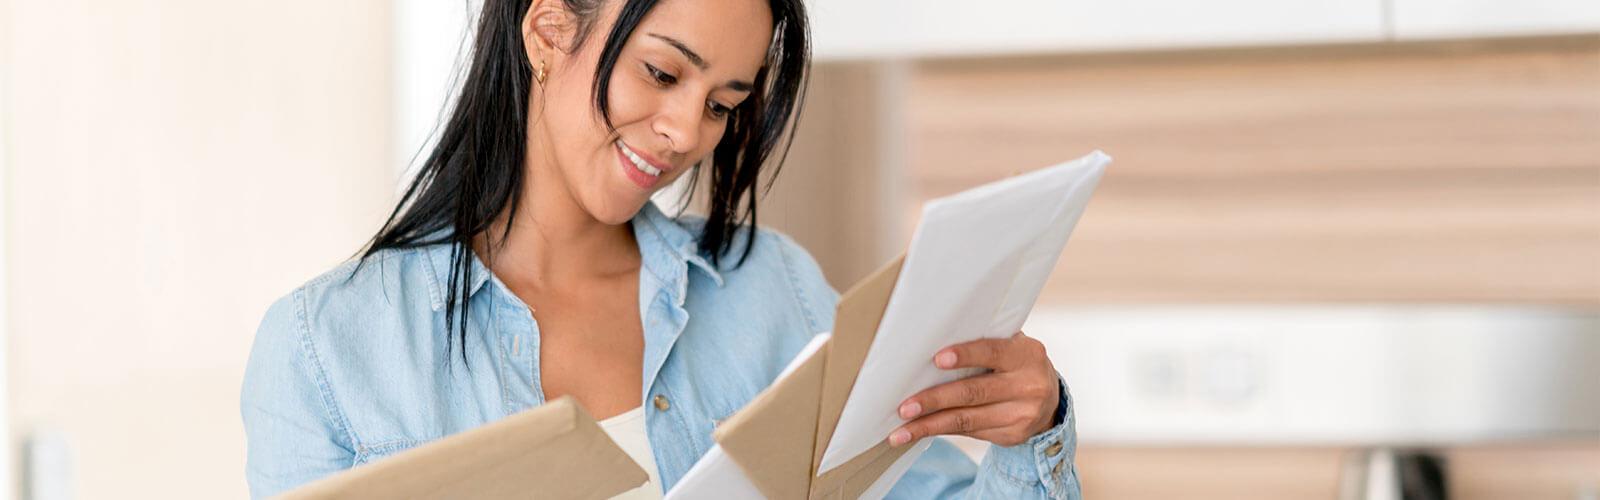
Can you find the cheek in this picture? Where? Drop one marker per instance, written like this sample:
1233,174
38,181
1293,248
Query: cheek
569,116
630,100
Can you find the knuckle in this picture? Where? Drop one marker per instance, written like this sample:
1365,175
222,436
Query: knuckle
972,394
1021,416
962,422
996,350
1036,390
1032,345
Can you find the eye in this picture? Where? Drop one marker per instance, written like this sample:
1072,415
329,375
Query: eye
661,76
718,111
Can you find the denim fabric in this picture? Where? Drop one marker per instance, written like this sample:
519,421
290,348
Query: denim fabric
356,365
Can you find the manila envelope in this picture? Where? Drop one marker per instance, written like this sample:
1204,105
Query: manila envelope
778,438
554,451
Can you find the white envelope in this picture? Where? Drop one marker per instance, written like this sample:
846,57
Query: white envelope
976,265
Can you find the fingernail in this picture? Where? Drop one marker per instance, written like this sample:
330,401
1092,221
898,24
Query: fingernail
911,409
899,437
945,359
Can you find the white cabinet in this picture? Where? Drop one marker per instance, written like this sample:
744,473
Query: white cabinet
849,29
1427,19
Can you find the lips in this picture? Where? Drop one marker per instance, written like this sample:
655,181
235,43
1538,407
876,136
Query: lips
638,168
643,162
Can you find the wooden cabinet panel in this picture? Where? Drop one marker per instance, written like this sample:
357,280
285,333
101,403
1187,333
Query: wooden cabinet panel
1423,173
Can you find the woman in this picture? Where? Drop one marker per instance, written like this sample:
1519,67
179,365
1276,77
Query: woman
527,263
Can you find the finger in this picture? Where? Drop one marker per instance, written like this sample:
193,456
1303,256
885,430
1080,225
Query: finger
995,354
990,419
971,391
1007,435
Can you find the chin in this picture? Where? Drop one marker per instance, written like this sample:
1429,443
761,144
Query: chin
616,211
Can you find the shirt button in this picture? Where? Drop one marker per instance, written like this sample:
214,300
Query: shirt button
1054,449
1057,470
661,402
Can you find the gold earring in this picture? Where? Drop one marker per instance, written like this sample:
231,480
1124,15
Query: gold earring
540,75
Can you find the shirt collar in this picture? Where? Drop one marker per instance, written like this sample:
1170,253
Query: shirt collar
440,262
666,248
667,244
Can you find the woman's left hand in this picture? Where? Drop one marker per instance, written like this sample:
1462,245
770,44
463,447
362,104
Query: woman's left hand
1006,406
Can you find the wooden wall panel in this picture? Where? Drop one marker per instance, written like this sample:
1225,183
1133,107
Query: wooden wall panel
1466,172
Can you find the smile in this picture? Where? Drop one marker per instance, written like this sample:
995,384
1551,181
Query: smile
639,163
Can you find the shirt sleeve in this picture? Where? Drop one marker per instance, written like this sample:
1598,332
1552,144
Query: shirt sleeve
294,432
1041,467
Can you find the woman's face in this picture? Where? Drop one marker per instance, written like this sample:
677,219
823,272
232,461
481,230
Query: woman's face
680,74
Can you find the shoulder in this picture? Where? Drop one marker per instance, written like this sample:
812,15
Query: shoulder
357,296
299,414
386,279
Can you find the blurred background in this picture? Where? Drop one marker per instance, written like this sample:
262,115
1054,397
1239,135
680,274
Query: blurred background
1346,244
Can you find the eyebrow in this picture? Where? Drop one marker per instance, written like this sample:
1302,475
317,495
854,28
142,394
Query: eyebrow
700,62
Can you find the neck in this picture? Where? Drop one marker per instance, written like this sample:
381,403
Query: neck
554,242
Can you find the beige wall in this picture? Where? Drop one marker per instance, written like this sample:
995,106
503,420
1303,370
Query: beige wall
171,167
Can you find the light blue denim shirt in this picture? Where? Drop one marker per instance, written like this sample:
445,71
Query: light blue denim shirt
356,365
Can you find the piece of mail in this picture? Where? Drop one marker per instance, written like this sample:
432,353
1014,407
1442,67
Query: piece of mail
555,450
773,445
716,475
776,440
977,264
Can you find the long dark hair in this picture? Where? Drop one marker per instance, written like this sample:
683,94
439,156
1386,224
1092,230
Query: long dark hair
475,172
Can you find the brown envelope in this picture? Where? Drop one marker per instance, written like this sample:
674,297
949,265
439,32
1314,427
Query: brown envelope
554,451
778,438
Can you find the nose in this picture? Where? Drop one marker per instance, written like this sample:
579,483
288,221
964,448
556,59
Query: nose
679,123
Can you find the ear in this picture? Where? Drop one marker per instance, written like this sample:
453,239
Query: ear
547,31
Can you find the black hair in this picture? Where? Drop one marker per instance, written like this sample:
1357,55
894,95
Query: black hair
474,174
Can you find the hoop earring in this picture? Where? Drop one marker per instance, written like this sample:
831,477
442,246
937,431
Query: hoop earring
539,76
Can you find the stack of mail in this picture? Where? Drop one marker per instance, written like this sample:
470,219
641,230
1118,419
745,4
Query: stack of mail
976,265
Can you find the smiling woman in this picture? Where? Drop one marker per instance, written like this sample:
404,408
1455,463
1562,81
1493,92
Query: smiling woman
526,262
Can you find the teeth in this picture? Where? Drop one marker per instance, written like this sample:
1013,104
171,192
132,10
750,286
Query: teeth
638,162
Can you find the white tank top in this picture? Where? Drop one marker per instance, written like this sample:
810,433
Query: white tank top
627,429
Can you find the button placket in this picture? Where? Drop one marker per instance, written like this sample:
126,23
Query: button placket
519,360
